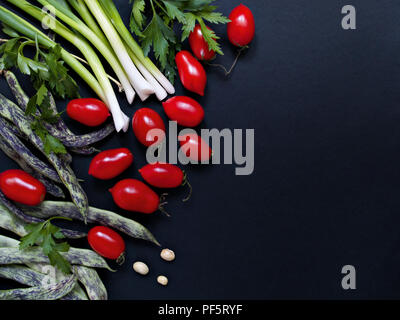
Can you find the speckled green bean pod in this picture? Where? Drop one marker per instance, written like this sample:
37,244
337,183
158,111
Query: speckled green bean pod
8,210
14,114
90,279
51,187
76,294
26,154
107,218
82,257
51,292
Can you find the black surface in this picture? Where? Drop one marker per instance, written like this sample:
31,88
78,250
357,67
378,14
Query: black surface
325,192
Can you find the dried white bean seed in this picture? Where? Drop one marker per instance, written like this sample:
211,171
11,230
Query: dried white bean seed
168,255
163,280
141,268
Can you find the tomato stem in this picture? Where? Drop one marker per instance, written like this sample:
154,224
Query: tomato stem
186,183
121,259
228,72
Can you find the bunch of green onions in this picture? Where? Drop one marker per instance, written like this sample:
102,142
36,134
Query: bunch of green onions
99,23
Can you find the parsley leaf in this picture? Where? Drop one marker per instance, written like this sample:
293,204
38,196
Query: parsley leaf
44,234
169,18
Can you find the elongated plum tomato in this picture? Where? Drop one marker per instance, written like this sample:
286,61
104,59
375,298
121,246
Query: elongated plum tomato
134,195
184,110
191,72
88,111
162,175
110,163
195,148
143,122
241,29
106,242
21,187
199,46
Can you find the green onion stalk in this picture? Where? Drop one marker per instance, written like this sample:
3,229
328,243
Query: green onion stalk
65,14
136,50
142,87
20,25
81,8
121,121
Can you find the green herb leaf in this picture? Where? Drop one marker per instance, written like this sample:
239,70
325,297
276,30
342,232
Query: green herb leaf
45,234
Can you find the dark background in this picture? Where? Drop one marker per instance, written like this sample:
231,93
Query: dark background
324,103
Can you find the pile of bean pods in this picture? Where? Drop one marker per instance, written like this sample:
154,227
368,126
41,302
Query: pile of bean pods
31,267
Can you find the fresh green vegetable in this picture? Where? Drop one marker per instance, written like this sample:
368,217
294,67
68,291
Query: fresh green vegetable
16,144
142,87
51,187
108,95
51,292
107,218
74,256
12,113
45,235
149,71
91,281
158,32
64,13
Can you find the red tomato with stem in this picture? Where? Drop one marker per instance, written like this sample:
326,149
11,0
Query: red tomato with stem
199,46
195,148
107,243
184,110
88,111
165,176
110,163
241,29
191,72
21,187
134,195
143,122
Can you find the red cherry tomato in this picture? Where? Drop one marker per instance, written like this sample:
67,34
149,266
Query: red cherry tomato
106,242
88,111
192,74
134,195
21,187
195,148
162,175
241,29
144,120
184,110
110,163
199,46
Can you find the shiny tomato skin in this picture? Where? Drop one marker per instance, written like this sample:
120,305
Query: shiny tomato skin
199,45
185,111
21,187
191,72
144,120
134,195
106,242
202,151
162,175
110,163
241,29
88,111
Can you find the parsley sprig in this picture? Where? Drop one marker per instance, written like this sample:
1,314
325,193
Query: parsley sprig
48,74
45,235
166,15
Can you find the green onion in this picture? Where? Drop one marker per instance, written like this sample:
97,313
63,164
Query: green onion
74,22
121,121
142,87
115,17
20,25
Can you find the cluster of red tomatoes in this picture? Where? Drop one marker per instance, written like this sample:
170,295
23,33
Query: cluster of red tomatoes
241,30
